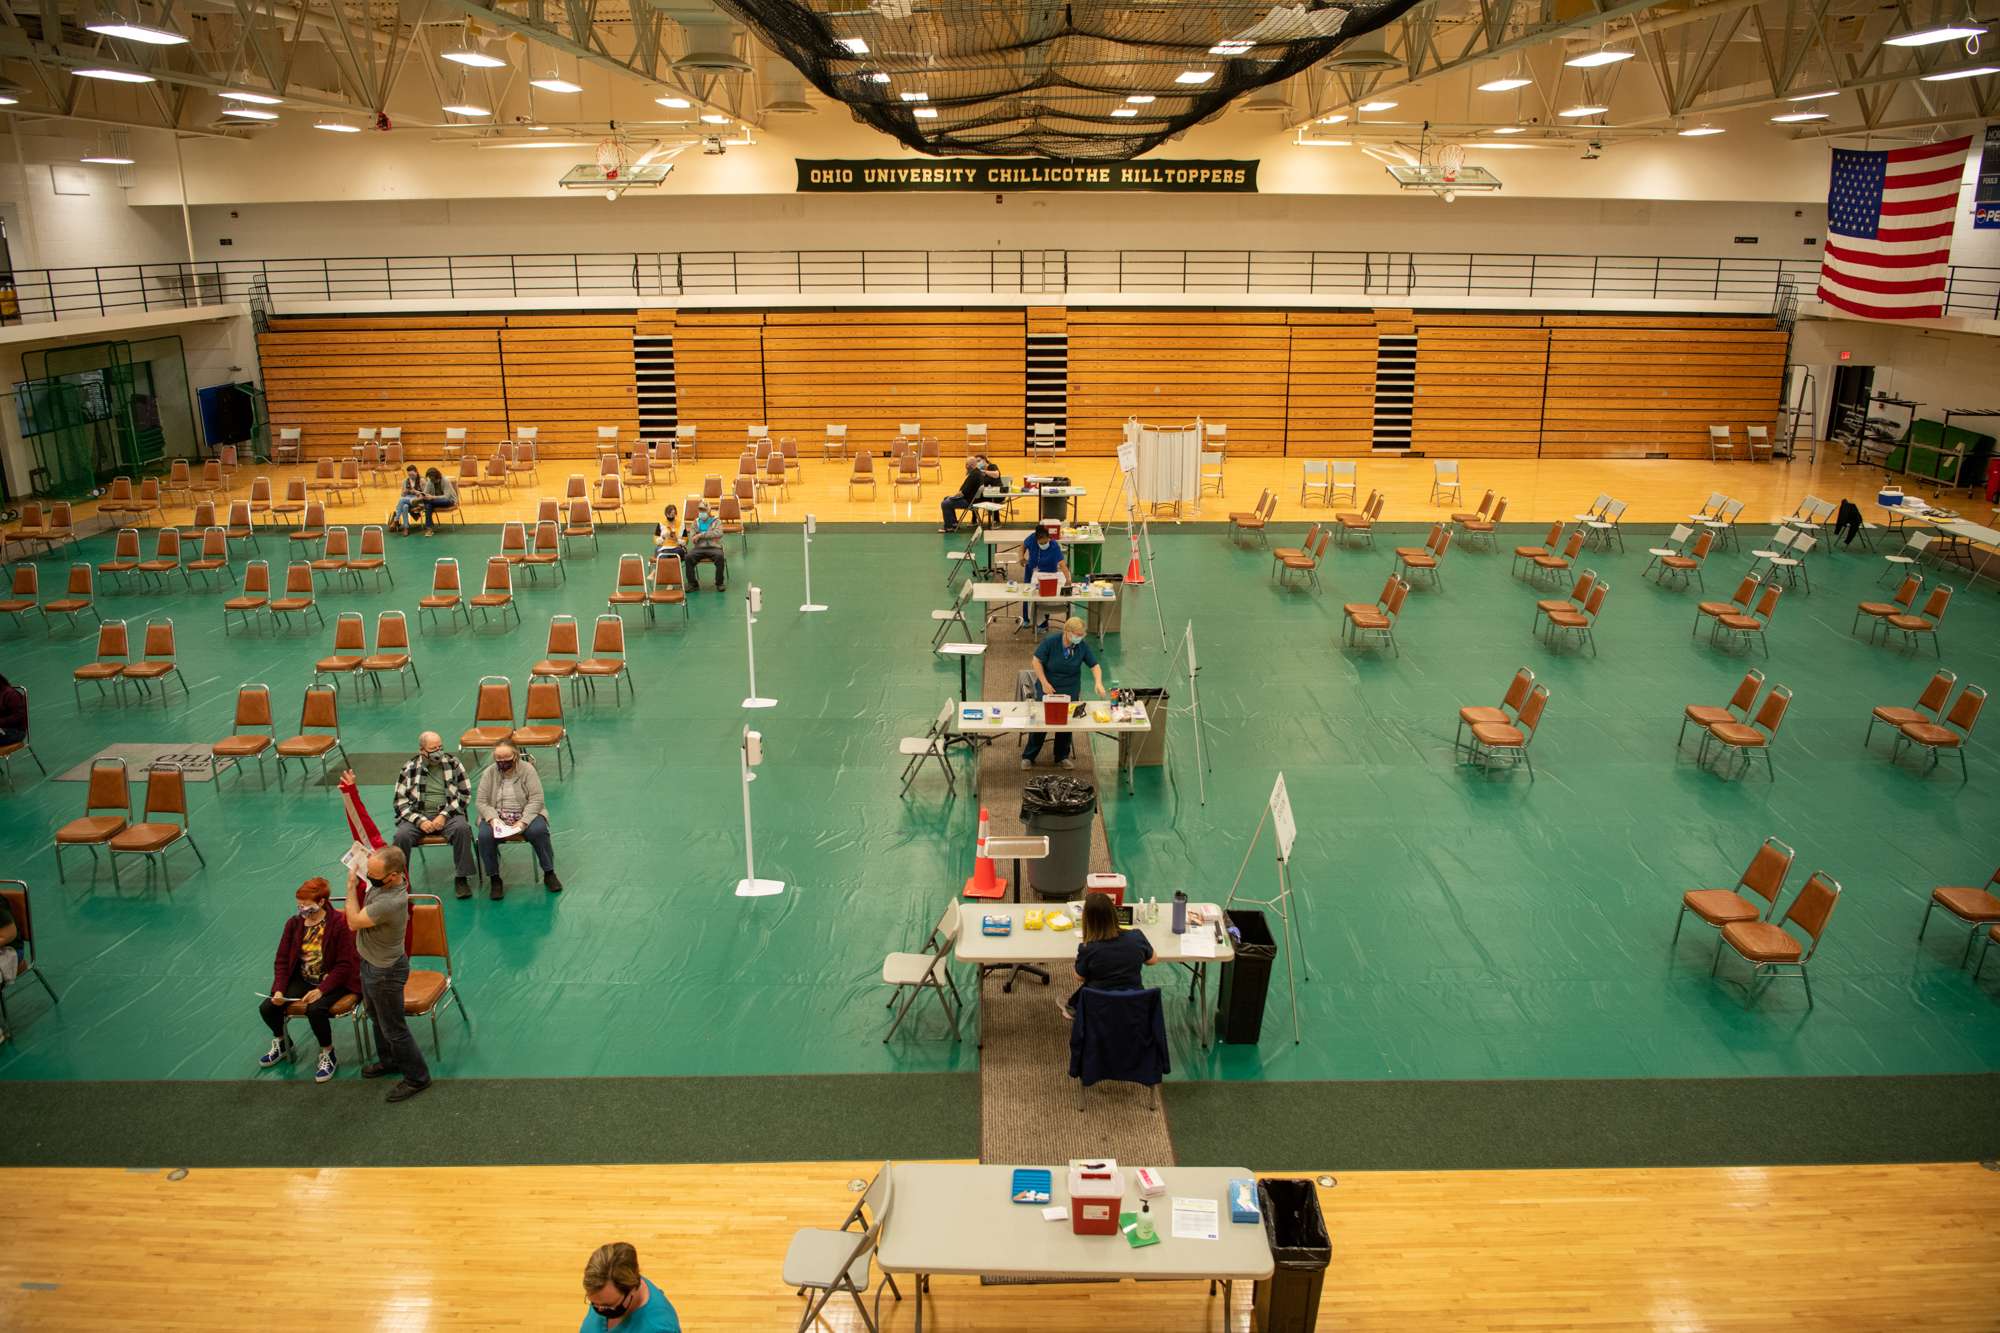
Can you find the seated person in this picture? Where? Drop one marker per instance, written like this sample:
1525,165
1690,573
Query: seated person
316,963
13,713
1059,661
510,793
1041,554
412,495
1109,958
706,549
10,947
439,494
978,474
667,536
432,792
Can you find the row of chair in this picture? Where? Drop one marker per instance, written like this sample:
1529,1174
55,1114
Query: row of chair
114,664
1899,614
1748,928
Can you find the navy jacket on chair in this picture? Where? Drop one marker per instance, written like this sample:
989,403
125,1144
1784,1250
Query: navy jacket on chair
1119,1034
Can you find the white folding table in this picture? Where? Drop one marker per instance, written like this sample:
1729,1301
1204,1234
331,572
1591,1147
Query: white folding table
1019,717
959,1220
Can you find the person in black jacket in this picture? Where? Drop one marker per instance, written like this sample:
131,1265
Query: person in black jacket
1109,958
316,962
978,473
13,713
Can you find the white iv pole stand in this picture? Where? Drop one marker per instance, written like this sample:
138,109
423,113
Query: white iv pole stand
753,598
1203,765
810,605
752,753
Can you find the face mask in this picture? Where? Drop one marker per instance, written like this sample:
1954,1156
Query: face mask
1071,640
504,765
611,1311
433,757
307,910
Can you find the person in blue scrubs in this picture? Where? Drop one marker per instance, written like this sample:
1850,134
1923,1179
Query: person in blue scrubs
1042,554
620,1298
1059,661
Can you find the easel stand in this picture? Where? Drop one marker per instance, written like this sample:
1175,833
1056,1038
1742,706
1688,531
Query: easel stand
1288,936
1203,765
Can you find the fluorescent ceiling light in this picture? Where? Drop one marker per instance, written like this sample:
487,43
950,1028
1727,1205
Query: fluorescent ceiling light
1337,118
1814,97
677,103
1235,46
1947,32
1508,129
1504,85
1502,147
113,75
249,113
466,109
1141,99
1576,112
555,84
111,25
1126,112
1377,106
8,99
1795,117
256,99
336,127
107,160
1701,132
915,97
1593,59
878,77
477,59
1326,143
710,118
855,45
925,113
1951,74
1194,76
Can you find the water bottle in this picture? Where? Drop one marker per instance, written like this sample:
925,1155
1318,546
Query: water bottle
1180,912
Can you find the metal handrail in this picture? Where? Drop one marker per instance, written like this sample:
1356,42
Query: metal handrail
1688,280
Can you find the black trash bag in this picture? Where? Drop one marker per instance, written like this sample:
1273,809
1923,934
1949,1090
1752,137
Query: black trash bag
1058,795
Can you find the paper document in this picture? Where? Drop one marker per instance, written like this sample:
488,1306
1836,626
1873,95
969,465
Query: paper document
502,829
1015,721
1197,1219
1198,942
1059,1213
355,858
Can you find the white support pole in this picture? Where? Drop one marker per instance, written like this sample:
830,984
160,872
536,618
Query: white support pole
751,751
753,602
810,605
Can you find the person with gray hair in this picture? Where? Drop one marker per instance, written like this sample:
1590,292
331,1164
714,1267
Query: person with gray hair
378,925
432,793
510,797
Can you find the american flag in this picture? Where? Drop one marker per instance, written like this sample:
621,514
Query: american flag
1889,217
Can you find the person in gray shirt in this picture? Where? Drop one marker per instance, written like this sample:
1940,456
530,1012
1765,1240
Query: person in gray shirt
385,968
510,794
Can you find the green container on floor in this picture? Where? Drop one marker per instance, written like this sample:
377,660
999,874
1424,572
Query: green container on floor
1086,558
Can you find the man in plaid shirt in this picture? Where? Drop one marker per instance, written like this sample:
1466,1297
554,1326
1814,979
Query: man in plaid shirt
432,793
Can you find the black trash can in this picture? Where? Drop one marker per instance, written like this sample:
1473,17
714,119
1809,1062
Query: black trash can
1060,809
1288,1300
1056,506
1239,1000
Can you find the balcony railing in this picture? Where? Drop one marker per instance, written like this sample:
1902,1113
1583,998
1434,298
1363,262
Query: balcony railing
1377,276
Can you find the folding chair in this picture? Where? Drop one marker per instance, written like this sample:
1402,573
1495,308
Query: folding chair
1581,622
931,745
1486,529
542,725
497,593
1977,908
15,891
109,789
125,555
430,989
299,597
1757,734
952,615
1445,487
1764,877
25,595
1913,627
581,524
1928,708
335,556
560,654
254,599
1736,710
1738,603
669,586
350,650
114,652
1909,557
1721,447
1950,734
446,594
158,662
319,733
1768,946
392,651
492,714
1741,626
1479,515
253,709
1527,554
1315,479
1209,473
1518,690
607,657
825,1262
79,595
1377,621
166,558
22,746
1345,480
1493,739
166,795
1903,603
913,974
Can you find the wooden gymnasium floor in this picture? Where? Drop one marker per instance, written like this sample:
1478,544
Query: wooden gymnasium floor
1845,1248
1537,489
1838,1248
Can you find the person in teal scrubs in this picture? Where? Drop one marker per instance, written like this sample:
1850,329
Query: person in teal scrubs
620,1298
1041,554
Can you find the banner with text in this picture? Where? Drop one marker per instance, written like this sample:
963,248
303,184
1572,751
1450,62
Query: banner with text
1025,175
1986,191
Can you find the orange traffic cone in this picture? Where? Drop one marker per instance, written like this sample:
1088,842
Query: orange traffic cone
1132,571
984,882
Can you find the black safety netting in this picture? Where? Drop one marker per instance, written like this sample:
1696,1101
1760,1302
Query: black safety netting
1067,81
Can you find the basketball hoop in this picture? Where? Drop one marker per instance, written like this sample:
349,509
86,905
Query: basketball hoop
611,157
1451,159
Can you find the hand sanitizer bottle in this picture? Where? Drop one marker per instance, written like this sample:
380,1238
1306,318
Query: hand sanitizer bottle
1144,1228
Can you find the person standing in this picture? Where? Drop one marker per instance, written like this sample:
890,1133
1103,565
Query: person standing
510,794
1041,554
316,963
385,968
1059,661
978,474
432,793
620,1297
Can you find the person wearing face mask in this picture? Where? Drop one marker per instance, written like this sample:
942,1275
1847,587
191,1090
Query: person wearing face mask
510,795
1041,554
413,494
706,549
385,968
1059,661
621,1298
316,963
432,793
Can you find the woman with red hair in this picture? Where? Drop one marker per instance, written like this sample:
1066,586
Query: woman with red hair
317,964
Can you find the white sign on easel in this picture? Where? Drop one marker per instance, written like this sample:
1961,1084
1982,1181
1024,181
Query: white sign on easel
1281,819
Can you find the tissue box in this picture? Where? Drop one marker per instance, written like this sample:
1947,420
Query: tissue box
1096,1193
1243,1200
996,925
